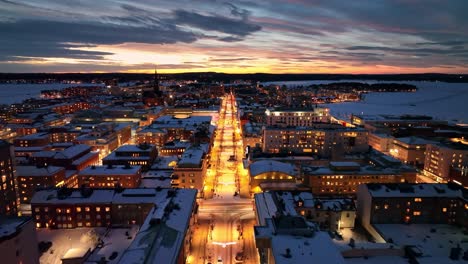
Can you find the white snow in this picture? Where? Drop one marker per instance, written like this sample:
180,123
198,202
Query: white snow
264,166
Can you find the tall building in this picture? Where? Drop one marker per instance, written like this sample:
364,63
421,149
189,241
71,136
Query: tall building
297,117
8,198
154,96
328,140
440,158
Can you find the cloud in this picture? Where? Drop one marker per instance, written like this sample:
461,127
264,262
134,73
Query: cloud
40,38
236,27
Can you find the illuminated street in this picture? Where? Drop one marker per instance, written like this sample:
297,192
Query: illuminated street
225,221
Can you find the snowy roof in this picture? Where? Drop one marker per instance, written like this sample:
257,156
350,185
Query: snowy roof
169,121
191,157
134,148
44,154
72,151
413,190
314,249
344,164
31,171
11,224
152,130
264,166
85,158
163,241
162,162
50,197
413,140
362,170
114,156
114,170
265,206
35,136
434,241
74,253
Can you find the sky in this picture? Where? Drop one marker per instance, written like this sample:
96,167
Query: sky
238,36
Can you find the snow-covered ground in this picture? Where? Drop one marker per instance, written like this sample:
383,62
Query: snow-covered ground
439,99
445,101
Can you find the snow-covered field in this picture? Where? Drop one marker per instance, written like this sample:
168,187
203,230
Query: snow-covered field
448,101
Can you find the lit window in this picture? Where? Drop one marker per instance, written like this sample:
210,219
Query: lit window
87,209
417,199
98,209
107,209
444,209
416,213
78,209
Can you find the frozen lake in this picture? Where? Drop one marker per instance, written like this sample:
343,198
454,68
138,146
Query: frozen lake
16,93
448,101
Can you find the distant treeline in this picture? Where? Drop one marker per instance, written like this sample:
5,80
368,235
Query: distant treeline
218,77
358,86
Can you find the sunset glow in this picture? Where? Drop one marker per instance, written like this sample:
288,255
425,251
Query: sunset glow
234,37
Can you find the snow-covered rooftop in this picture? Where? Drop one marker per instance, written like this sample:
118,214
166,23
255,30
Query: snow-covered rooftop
51,196
191,157
107,170
413,190
432,240
162,241
72,151
31,171
10,224
264,166
413,140
134,148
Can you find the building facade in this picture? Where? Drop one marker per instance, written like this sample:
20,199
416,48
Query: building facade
8,196
441,157
412,203
30,178
325,141
110,176
297,117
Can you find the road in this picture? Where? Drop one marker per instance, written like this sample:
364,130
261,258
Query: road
226,212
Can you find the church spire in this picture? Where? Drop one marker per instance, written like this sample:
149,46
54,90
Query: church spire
156,80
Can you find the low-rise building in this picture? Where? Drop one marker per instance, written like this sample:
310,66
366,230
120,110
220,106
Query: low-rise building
411,203
191,169
153,136
273,175
283,236
410,150
390,123
30,178
380,141
343,178
110,176
142,155
162,214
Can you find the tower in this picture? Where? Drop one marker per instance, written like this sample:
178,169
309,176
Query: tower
8,198
156,90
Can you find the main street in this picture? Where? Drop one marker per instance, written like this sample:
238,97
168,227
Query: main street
227,209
